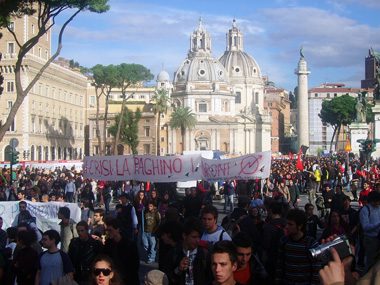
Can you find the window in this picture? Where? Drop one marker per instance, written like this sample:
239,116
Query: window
316,95
71,98
76,99
47,108
53,110
9,104
257,97
146,148
328,95
238,97
162,128
64,96
10,86
33,125
40,107
12,126
80,101
32,29
162,116
40,125
39,52
335,95
71,114
202,107
269,104
147,121
162,139
40,89
12,26
52,93
92,100
47,91
162,84
33,105
11,47
59,94
142,96
147,131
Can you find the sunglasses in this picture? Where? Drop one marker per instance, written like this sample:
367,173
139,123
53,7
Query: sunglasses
105,271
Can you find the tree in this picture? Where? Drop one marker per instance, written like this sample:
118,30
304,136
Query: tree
337,112
129,128
46,11
128,75
104,81
183,118
162,102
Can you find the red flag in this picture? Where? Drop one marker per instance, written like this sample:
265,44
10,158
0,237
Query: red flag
201,188
290,155
299,161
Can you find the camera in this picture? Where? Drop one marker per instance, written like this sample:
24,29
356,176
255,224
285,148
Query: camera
323,255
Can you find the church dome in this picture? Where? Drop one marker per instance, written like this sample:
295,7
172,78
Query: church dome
163,76
240,64
200,69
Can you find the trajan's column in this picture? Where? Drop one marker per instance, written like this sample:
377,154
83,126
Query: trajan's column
303,105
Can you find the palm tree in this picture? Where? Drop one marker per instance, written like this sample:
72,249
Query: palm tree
182,118
161,106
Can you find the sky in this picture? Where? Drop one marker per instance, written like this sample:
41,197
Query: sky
335,35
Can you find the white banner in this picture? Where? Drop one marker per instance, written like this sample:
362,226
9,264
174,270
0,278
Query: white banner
176,168
46,213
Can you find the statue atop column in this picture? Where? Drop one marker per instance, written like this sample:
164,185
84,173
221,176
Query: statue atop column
376,92
361,109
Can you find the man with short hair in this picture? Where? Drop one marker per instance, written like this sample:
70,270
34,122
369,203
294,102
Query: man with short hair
123,252
294,194
70,190
53,263
82,251
294,265
224,263
213,232
189,263
126,214
312,221
22,207
98,229
68,229
249,269
21,195
245,224
370,221
45,198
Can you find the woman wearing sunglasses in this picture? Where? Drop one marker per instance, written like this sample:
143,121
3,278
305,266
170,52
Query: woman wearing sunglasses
103,272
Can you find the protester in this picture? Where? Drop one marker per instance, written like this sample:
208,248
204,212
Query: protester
213,232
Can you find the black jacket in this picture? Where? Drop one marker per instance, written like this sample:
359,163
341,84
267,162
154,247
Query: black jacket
201,269
82,254
246,225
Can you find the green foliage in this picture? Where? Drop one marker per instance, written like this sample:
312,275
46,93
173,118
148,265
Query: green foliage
161,100
338,111
182,118
129,128
130,73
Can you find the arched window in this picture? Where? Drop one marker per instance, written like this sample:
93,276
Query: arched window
39,152
32,153
7,153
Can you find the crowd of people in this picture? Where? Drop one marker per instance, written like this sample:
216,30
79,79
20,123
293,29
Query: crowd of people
265,236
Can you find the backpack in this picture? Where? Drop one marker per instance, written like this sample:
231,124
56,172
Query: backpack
232,226
320,202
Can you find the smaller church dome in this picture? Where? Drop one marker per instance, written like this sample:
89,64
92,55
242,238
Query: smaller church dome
163,76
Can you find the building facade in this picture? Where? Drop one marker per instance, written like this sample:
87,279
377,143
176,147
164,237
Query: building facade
50,123
226,96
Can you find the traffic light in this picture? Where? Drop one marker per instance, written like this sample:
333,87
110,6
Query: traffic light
14,156
363,145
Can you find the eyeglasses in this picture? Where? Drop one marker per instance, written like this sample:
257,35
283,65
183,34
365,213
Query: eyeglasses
105,271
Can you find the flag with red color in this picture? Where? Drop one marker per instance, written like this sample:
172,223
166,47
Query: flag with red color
299,161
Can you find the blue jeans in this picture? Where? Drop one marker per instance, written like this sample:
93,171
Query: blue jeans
226,199
107,202
69,197
149,243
